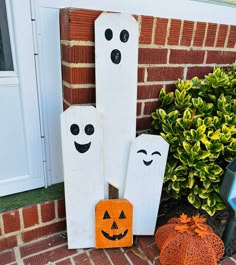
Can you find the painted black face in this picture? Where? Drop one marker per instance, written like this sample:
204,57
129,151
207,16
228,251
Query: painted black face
148,163
124,37
75,130
114,227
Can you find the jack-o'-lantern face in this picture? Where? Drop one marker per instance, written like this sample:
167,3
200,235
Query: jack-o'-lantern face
114,223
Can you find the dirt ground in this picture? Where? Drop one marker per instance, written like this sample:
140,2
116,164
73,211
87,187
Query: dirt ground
171,208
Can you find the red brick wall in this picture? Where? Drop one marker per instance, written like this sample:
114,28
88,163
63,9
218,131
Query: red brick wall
169,49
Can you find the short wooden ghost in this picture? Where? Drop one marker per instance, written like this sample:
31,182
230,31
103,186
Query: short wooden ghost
116,50
81,131
146,168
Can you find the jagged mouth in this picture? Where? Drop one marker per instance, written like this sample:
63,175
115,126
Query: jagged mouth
82,148
147,163
115,237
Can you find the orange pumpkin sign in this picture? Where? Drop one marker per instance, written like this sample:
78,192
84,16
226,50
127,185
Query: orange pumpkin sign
113,223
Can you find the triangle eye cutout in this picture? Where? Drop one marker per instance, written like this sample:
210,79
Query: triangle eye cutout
122,215
106,215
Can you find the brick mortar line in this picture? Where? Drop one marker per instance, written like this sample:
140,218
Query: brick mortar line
217,34
129,260
205,36
43,251
182,47
147,100
2,225
156,83
154,24
171,65
227,36
18,256
78,86
145,83
89,257
56,209
78,65
139,26
27,229
72,43
177,47
39,213
168,32
181,32
185,72
142,109
108,256
143,116
43,238
193,33
21,219
145,75
67,102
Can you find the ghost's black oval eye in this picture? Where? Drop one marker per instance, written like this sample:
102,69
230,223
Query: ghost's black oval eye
108,34
89,129
124,35
74,128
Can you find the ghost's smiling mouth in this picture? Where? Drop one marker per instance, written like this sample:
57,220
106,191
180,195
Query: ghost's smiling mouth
82,148
147,163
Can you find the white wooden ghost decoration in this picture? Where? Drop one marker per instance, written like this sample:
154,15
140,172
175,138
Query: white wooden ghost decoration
82,148
116,50
146,168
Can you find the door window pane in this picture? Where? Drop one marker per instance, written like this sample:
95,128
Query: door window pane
6,63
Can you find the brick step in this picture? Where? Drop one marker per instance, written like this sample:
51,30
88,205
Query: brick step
30,223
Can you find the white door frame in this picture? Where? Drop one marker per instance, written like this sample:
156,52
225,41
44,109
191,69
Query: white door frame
22,44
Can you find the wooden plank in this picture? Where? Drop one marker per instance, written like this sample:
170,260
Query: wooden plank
116,49
82,147
113,223
113,192
147,162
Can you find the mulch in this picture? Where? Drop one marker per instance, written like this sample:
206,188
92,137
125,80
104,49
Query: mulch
170,208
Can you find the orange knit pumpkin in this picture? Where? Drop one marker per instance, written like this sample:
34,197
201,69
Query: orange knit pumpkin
188,241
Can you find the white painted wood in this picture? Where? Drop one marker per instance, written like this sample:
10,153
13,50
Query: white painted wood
50,83
116,92
181,9
21,159
147,161
83,172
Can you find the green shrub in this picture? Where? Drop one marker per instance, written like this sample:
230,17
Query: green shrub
199,122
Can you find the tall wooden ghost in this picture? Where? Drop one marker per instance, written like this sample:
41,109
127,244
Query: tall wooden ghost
146,168
116,50
81,131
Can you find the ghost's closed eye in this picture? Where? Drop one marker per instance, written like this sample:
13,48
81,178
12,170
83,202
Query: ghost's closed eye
156,153
142,151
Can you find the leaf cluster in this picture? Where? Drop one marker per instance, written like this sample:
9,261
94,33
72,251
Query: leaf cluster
198,120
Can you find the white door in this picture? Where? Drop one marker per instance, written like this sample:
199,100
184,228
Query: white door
21,152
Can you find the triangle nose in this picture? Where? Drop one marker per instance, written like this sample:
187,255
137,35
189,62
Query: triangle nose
114,226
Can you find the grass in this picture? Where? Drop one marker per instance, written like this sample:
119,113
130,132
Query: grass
32,197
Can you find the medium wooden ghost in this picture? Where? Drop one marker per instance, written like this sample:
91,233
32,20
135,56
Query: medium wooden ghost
81,131
116,49
146,168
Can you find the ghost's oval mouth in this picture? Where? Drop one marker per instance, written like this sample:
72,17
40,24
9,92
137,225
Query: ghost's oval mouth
115,237
147,163
82,148
116,56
